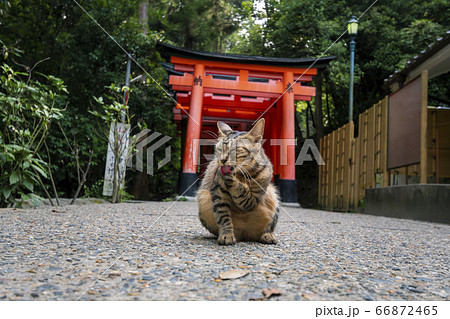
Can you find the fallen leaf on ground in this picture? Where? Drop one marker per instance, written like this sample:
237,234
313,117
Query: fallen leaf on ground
254,298
113,274
58,211
133,294
233,274
314,297
269,292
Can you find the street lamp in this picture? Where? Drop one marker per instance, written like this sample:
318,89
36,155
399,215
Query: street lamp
352,28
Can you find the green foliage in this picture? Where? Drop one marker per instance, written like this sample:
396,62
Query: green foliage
439,91
95,190
112,109
390,33
361,203
88,60
151,107
81,52
125,196
28,108
75,134
195,24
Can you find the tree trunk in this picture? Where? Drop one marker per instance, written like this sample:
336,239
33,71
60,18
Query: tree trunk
318,113
143,15
116,185
307,120
330,123
83,179
309,109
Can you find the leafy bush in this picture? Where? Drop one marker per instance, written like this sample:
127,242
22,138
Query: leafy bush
28,108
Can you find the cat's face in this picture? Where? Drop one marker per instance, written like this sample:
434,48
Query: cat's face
239,149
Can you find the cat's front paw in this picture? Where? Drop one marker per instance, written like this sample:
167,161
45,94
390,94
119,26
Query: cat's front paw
268,238
229,180
227,239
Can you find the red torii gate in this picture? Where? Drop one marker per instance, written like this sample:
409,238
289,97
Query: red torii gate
238,90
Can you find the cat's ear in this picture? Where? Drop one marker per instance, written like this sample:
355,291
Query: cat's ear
257,131
224,129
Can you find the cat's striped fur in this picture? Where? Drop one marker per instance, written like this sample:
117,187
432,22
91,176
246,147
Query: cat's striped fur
243,205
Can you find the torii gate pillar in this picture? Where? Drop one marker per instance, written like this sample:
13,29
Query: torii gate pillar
192,147
287,182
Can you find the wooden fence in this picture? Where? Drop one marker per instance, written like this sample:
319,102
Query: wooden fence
354,164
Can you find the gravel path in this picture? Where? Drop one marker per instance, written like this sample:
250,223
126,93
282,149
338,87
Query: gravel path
59,253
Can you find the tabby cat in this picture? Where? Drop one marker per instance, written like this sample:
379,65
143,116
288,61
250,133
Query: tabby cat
237,201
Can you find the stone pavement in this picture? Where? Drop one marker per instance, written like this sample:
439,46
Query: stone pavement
60,253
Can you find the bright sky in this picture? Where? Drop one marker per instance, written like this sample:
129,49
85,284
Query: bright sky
259,7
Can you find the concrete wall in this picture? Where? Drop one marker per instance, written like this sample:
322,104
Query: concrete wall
430,202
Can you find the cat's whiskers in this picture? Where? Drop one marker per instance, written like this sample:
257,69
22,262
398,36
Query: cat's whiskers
256,182
207,163
246,170
253,178
211,133
245,174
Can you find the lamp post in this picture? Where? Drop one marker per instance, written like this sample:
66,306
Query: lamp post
352,28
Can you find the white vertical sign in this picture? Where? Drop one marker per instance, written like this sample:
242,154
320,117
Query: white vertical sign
120,132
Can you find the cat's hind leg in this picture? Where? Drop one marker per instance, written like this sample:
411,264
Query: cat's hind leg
267,236
206,213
